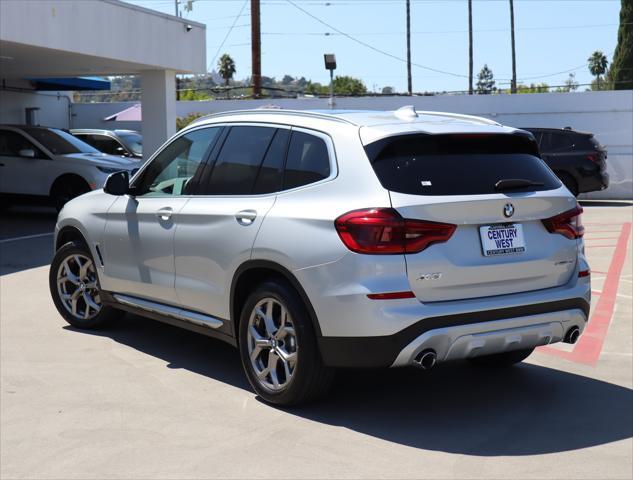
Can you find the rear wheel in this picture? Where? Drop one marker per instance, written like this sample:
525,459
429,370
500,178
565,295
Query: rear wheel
570,182
75,289
502,360
278,347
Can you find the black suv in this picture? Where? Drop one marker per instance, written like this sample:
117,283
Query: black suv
576,157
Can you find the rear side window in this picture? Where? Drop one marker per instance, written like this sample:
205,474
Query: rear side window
458,164
557,142
271,174
308,160
238,163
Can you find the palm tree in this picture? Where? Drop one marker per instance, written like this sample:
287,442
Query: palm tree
598,65
470,47
226,69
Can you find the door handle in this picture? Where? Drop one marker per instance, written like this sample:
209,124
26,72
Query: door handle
164,214
246,217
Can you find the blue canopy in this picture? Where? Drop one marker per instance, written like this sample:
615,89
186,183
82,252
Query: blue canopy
75,83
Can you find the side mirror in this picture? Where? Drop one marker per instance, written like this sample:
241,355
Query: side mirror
27,153
117,183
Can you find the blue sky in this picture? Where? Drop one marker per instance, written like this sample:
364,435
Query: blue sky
552,36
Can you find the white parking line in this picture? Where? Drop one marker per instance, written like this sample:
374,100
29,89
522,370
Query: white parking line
25,237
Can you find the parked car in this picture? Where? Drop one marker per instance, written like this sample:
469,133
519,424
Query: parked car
49,164
577,158
125,143
312,241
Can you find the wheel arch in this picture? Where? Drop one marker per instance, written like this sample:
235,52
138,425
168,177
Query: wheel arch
67,177
67,234
254,272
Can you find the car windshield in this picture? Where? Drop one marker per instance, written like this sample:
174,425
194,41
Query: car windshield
133,141
59,142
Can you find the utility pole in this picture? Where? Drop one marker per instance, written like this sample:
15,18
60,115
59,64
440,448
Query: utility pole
256,49
409,82
470,47
176,7
513,85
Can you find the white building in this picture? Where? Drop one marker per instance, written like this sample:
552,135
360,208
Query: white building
42,39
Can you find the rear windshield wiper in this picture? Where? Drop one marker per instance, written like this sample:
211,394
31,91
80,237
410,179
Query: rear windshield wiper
512,183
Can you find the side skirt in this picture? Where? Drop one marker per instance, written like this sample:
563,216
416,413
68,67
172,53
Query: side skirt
192,321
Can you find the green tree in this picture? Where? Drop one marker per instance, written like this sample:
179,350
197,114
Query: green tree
182,122
533,88
485,81
571,85
349,86
598,66
622,64
388,91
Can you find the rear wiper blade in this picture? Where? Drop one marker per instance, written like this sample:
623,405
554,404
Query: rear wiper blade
512,183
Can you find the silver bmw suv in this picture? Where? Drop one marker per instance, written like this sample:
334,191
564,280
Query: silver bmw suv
314,240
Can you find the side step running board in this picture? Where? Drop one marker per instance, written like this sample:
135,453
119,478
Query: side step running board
174,312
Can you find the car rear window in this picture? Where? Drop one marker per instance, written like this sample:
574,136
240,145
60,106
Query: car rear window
468,164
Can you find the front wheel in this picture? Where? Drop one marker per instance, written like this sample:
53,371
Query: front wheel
502,360
278,347
75,289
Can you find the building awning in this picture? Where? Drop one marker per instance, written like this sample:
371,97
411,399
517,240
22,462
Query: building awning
72,83
130,114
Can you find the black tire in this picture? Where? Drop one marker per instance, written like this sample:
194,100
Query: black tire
310,379
65,189
68,253
502,360
570,182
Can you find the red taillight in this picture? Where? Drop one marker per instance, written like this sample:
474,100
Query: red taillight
593,158
584,273
384,231
568,224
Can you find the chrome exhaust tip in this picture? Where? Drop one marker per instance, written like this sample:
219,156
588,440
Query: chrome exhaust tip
572,335
425,359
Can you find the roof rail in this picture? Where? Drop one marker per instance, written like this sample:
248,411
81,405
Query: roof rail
482,120
267,110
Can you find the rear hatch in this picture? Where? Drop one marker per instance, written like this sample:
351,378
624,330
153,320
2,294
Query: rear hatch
499,196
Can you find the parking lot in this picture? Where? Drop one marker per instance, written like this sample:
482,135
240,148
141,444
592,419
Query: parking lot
146,400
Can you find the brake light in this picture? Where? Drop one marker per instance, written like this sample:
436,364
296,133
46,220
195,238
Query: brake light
568,224
593,158
382,231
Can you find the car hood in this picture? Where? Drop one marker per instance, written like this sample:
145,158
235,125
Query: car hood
103,160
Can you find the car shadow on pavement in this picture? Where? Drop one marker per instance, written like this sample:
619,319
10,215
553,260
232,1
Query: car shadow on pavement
455,408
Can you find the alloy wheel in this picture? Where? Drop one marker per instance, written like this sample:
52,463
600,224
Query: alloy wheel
272,344
77,287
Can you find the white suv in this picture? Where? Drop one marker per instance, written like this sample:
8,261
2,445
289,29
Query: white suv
50,164
315,240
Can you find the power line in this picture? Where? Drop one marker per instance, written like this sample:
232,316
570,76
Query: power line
371,47
227,35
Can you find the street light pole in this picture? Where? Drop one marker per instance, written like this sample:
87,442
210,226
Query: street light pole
330,64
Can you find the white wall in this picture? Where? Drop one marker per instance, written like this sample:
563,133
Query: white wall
54,107
609,115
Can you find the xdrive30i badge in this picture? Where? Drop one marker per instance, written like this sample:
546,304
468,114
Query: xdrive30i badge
431,276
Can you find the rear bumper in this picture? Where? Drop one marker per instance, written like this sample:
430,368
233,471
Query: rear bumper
461,335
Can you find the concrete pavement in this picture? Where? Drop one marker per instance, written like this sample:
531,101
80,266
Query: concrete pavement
146,400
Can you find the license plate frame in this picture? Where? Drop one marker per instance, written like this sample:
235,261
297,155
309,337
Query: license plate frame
502,239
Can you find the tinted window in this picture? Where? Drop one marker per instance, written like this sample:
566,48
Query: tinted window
133,141
457,164
171,171
557,142
59,142
104,144
308,160
12,142
271,174
237,164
